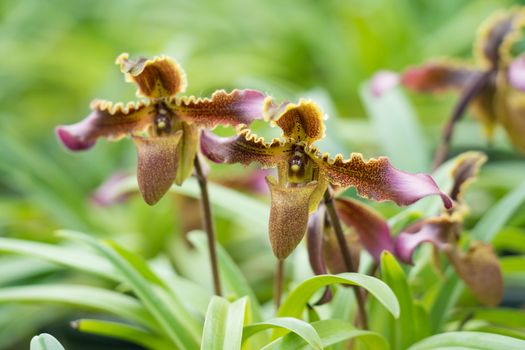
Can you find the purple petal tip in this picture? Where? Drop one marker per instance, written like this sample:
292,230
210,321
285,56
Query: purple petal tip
71,141
382,82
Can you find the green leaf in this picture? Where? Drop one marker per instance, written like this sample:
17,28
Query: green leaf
331,333
447,296
230,274
304,330
178,324
496,217
64,256
297,299
45,341
501,316
398,129
223,325
90,298
469,340
513,268
122,331
406,332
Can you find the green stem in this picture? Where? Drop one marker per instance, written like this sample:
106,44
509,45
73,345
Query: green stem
207,221
279,276
333,218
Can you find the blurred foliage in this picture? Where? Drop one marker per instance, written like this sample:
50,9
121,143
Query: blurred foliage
57,55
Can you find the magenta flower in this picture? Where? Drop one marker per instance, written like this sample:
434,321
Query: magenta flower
163,126
304,173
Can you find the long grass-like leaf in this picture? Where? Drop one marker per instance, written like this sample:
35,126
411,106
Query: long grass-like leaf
469,340
123,331
224,324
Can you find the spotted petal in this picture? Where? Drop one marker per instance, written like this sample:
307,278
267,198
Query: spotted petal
234,108
438,76
106,120
156,78
288,216
157,165
512,115
301,122
245,148
481,271
377,179
372,229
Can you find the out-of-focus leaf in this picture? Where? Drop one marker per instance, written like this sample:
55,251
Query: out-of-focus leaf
223,326
494,220
406,331
513,268
304,330
122,331
397,128
64,256
510,238
500,316
88,298
246,209
446,297
16,268
469,340
331,333
230,274
174,319
45,341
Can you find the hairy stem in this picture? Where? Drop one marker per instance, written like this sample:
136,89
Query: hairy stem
278,291
207,222
333,218
470,92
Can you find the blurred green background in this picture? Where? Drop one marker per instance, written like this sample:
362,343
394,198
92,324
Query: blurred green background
57,55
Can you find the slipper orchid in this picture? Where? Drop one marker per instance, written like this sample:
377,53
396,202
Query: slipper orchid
478,267
492,87
163,126
304,173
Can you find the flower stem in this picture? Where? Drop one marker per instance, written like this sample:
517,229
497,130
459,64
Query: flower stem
338,229
279,276
207,221
470,92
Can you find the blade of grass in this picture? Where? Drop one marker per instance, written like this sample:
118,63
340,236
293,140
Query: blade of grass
122,331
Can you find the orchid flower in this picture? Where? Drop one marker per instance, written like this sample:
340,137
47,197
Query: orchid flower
492,87
478,267
304,173
163,126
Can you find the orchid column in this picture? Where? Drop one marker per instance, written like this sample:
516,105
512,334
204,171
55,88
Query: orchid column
164,128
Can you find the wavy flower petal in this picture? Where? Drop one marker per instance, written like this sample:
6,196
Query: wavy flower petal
106,120
377,179
301,122
156,78
481,271
157,165
440,231
464,172
245,148
438,76
288,216
374,233
234,108
491,36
